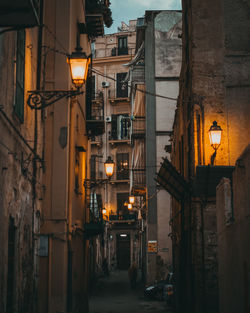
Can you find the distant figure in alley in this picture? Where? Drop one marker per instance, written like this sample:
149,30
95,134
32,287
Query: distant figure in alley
132,274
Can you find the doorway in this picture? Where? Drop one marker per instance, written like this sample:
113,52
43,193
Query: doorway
123,251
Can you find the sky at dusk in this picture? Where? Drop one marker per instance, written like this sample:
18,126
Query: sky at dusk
125,10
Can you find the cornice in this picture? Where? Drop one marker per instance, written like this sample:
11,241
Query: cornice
113,59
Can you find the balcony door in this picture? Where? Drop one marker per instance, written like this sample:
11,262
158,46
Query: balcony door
121,86
123,45
123,251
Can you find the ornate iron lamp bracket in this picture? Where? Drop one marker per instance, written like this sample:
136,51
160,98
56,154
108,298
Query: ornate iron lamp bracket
91,183
40,99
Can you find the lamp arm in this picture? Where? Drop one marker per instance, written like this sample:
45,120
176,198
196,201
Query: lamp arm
213,156
40,99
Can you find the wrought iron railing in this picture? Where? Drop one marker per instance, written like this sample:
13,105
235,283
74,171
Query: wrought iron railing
97,107
138,177
139,127
123,217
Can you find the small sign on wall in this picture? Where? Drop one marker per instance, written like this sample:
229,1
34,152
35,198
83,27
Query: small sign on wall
152,246
164,250
43,245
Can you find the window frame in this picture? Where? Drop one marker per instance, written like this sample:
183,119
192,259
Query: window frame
122,172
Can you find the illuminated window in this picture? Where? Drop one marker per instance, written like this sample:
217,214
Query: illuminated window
122,166
121,199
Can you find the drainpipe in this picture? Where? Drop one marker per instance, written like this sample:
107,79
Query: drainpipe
69,209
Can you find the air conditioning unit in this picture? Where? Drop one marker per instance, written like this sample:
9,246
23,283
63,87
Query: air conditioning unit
108,119
105,84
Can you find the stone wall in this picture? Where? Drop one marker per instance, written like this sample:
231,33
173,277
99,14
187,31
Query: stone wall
233,225
20,182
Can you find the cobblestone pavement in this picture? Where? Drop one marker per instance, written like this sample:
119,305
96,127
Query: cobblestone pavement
113,295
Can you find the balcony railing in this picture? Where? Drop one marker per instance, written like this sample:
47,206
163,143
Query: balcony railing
97,13
95,115
123,217
139,127
121,51
138,74
117,97
139,180
18,13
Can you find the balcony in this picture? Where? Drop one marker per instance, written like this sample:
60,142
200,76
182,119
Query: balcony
138,127
116,51
97,14
96,140
19,14
124,218
95,115
120,129
138,74
118,97
139,181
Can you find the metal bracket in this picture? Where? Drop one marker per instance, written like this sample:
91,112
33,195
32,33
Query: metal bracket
91,183
40,99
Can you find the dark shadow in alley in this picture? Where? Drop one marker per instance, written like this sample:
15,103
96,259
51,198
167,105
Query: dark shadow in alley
113,294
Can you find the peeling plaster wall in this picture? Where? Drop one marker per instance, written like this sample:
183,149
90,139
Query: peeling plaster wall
17,180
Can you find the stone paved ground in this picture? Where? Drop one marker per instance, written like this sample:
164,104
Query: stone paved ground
113,295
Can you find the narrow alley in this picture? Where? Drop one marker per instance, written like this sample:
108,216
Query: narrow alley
113,294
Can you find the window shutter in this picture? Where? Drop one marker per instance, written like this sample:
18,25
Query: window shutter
114,127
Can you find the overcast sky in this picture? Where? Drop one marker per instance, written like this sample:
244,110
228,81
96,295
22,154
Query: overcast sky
125,10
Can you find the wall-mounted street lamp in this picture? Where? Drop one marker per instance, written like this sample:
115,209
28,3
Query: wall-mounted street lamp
215,139
109,171
130,206
131,199
79,63
109,166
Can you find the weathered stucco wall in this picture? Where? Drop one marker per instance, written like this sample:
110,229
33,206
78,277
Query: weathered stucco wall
19,197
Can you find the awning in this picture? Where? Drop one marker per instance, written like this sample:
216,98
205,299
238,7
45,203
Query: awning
172,181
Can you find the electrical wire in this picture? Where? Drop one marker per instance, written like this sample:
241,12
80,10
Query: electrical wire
54,36
132,87
100,73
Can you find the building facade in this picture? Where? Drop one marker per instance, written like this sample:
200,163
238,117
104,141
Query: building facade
155,86
110,91
214,86
21,162
44,150
233,228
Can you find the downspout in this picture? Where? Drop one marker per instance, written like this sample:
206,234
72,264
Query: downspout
69,211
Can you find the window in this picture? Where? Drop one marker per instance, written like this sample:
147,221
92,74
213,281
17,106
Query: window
93,167
121,199
95,205
122,45
120,127
121,86
122,166
20,67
